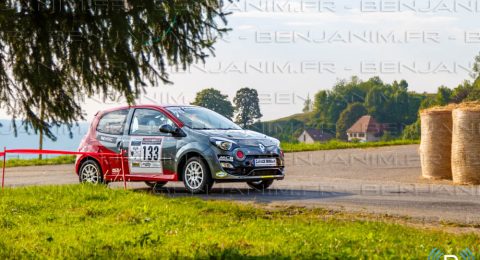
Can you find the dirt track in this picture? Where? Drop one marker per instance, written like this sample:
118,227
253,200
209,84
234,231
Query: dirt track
384,180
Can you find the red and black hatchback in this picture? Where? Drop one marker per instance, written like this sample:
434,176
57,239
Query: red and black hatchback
159,144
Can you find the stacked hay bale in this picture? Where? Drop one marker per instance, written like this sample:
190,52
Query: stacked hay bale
466,144
436,142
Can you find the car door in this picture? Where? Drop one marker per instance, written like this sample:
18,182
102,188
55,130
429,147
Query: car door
109,133
150,152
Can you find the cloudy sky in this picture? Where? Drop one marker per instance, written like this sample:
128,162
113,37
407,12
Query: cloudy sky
289,49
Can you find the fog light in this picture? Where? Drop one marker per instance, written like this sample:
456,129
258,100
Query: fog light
226,165
240,155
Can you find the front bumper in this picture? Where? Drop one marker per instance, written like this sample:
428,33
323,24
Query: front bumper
255,174
246,170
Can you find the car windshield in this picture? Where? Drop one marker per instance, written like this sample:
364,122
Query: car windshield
202,119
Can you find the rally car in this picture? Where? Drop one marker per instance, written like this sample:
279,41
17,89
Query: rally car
160,144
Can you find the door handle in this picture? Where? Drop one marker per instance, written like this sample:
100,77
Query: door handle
120,145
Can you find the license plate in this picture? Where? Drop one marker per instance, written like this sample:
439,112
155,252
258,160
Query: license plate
265,162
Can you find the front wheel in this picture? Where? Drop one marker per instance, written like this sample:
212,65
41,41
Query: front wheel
196,176
260,185
90,172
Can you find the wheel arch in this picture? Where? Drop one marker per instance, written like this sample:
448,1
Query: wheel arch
88,158
183,160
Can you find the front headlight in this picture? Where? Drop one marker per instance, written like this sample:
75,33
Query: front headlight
222,143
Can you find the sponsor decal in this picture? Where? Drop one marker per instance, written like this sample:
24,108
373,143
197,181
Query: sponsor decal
224,158
136,143
107,139
221,174
145,155
152,141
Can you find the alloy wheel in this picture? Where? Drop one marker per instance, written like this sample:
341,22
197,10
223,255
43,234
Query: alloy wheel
194,175
90,174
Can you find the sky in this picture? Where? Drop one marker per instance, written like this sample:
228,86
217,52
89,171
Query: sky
289,49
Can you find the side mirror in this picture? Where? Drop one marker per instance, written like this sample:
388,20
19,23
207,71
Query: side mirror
168,129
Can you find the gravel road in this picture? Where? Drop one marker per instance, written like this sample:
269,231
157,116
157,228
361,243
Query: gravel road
381,181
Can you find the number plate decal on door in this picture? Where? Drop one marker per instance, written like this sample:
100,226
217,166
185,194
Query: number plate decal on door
145,155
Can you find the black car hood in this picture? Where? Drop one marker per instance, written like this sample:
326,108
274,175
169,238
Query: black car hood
235,134
246,137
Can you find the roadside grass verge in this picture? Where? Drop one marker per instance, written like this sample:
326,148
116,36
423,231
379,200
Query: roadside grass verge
84,221
335,144
65,159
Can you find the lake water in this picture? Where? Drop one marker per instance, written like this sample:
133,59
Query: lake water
29,140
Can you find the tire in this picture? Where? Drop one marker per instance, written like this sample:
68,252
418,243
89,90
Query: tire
260,185
196,176
90,172
156,185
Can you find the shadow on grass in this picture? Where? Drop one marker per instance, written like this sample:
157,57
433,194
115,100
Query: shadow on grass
245,194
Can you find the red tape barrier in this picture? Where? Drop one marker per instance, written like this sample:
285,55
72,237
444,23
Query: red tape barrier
56,152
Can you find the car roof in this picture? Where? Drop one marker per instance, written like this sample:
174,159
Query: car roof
141,106
159,107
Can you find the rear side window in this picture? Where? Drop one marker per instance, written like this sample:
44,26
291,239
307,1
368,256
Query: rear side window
113,123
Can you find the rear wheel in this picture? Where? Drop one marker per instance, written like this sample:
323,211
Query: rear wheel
260,185
196,176
90,172
156,185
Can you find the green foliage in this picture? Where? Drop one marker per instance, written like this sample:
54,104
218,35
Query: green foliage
476,67
247,106
348,117
412,132
391,104
56,54
444,96
213,99
308,105
66,159
335,144
388,103
84,221
387,136
462,91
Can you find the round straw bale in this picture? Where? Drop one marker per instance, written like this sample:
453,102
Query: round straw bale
436,142
466,144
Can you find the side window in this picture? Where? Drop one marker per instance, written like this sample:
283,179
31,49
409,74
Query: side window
147,122
113,123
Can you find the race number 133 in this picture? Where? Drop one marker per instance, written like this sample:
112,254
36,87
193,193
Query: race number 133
150,152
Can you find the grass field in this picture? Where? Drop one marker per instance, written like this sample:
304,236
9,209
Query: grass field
333,145
83,221
66,159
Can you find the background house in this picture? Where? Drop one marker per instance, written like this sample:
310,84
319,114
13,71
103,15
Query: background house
366,129
310,136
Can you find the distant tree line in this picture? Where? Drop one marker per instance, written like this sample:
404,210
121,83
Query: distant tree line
335,110
246,104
